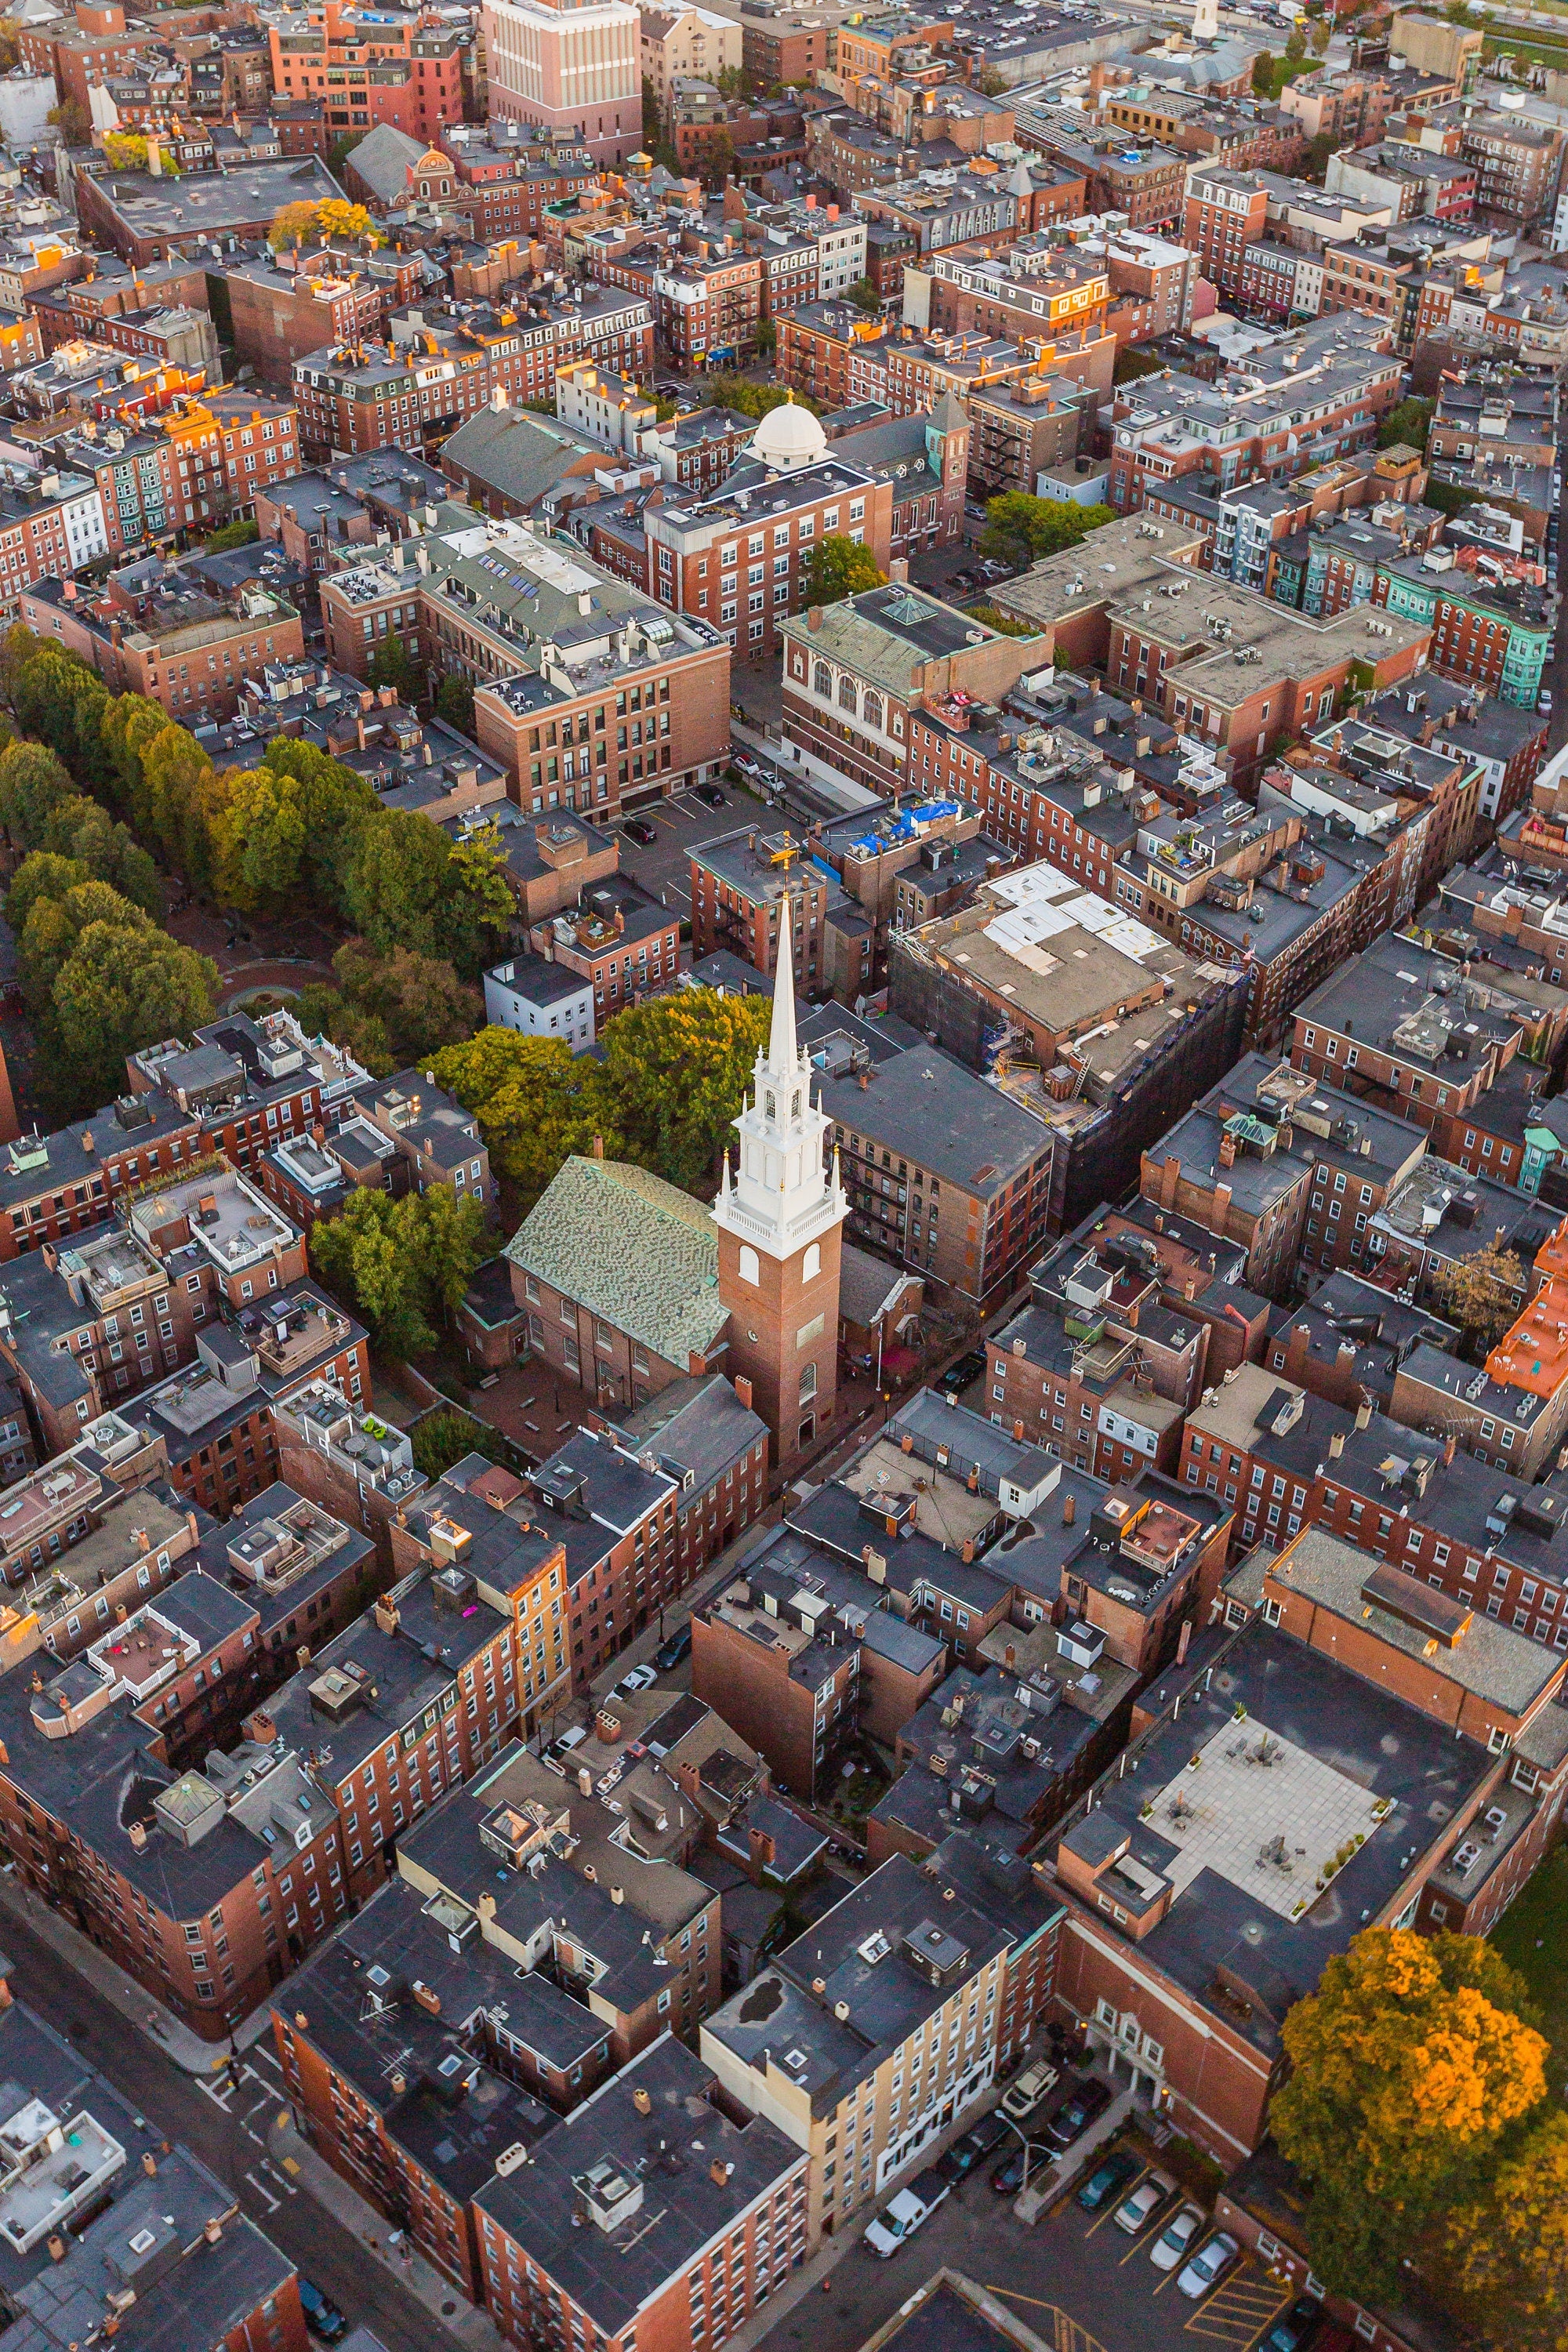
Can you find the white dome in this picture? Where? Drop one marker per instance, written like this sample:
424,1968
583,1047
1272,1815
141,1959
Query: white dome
788,438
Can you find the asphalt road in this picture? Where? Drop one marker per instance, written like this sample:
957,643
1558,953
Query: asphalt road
225,2137
1073,2261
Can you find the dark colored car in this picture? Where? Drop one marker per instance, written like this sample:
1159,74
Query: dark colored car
968,1368
1105,2180
322,2318
946,2171
679,1646
1295,2329
1009,2177
1078,2113
712,795
978,2142
639,829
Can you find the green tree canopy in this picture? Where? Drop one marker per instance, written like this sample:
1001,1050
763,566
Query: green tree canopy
41,876
1408,2063
401,1265
1507,2251
839,567
233,534
446,1435
533,1102
33,783
420,1001
120,989
408,885
455,702
1021,530
1409,421
677,1069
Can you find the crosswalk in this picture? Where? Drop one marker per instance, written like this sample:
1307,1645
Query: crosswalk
250,2097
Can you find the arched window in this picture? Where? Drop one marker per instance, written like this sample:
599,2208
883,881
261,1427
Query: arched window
846,693
871,710
808,1384
794,1106
771,1107
810,1264
822,681
751,1270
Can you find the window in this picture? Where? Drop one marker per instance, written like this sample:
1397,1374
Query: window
751,1266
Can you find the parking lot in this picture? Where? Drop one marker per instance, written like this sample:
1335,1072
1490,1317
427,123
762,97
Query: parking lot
660,866
1081,2264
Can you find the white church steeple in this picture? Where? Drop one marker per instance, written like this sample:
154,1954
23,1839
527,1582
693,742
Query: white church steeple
782,1197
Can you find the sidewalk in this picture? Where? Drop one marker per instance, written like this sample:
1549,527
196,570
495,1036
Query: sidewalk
118,1992
457,2319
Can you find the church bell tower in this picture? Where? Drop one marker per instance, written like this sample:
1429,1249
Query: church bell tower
779,1218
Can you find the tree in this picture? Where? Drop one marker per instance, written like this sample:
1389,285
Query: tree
455,702
652,127
33,784
41,876
1264,69
767,338
839,567
718,160
256,837
1483,1294
990,83
1132,363
83,831
1020,530
1409,2062
56,922
372,1258
1295,46
1407,421
72,121
233,534
534,1103
125,151
1318,150
335,806
340,150
749,399
408,885
120,989
453,1245
443,1436
732,81
337,219
1508,2249
677,1069
389,664
865,297
292,225
418,1001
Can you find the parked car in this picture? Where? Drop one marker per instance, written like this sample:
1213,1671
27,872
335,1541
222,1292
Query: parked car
1209,2265
968,1368
978,2141
712,796
679,1646
745,763
950,2168
1024,2094
1295,2329
1543,704
1144,2202
1008,2176
639,829
322,2318
1171,2246
910,2208
1107,2180
1078,2115
638,1679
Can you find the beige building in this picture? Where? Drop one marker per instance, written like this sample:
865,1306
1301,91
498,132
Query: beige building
573,70
687,41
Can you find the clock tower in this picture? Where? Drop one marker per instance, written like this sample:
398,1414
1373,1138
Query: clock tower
778,1218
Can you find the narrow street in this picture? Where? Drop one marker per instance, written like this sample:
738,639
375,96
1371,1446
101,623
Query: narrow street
225,2128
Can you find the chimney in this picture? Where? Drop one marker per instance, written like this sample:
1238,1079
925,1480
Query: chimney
1337,1444
1228,1152
148,2163
641,2101
898,571
1449,1443
1069,1509
813,617
1183,1638
743,1392
598,1147
1363,1416
718,2173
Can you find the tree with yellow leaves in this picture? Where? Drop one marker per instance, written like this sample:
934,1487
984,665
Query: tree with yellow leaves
1508,2249
291,226
337,218
125,151
1410,2061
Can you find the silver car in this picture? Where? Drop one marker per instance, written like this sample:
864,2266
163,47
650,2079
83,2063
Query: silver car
1144,2202
1208,2266
1171,2246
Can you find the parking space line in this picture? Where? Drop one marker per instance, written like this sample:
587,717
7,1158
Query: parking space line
1237,2312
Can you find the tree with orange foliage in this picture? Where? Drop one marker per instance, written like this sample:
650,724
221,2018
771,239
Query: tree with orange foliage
1410,2061
1508,2249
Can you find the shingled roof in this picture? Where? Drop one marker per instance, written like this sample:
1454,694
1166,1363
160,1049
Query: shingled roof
631,1248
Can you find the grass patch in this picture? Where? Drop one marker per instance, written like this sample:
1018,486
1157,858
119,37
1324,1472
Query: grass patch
1531,1937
